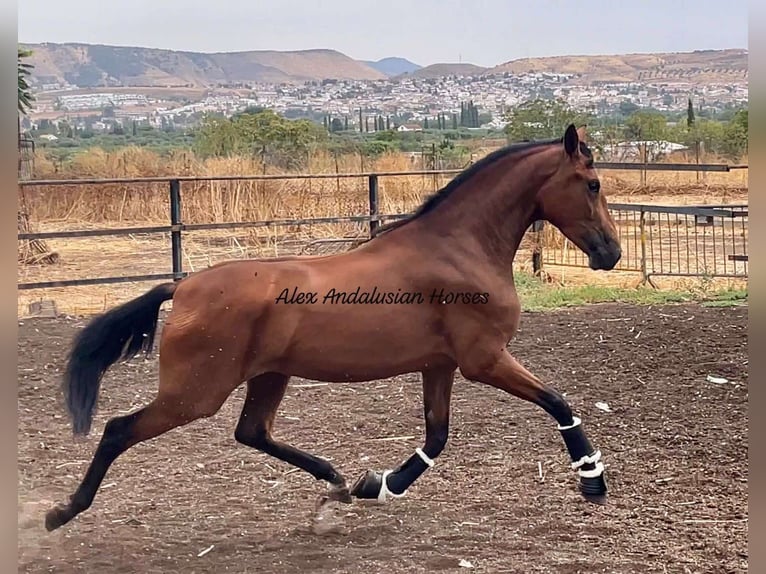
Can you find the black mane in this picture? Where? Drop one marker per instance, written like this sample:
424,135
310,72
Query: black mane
441,195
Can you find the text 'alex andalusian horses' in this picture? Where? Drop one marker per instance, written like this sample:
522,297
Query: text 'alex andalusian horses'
432,293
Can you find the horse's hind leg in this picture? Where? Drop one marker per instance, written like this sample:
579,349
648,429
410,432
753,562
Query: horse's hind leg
437,394
160,416
264,394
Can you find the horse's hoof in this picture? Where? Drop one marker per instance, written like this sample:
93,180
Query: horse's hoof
57,517
594,489
341,494
599,499
368,485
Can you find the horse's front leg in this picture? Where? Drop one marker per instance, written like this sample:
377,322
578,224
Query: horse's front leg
437,392
500,370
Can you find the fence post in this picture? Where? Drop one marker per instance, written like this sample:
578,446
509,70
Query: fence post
642,232
373,189
175,233
537,251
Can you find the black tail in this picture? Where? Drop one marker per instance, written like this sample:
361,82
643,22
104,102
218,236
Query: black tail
117,334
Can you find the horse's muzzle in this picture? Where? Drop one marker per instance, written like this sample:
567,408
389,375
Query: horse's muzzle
603,252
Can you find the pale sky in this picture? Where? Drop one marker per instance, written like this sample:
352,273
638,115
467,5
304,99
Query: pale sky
483,32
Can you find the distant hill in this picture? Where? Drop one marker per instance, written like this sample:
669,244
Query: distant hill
441,70
393,66
701,66
90,65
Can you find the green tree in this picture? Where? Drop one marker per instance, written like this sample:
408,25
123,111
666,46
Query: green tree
541,119
735,136
626,108
646,125
336,125
690,114
218,136
25,92
265,134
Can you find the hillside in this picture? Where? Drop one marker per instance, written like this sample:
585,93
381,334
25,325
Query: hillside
393,66
702,66
90,65
441,70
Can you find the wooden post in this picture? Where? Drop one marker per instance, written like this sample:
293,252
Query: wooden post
537,250
175,233
373,193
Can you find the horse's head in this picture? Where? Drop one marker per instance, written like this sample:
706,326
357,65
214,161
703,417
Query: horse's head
572,200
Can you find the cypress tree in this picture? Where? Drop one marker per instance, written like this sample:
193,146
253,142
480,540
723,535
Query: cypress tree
690,114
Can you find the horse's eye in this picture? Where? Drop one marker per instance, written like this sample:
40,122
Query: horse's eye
594,186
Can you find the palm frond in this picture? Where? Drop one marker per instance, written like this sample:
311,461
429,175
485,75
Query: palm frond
25,91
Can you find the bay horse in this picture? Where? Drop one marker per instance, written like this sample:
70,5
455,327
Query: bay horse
432,293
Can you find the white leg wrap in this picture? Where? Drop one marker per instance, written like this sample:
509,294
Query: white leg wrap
426,459
598,471
384,492
594,458
576,423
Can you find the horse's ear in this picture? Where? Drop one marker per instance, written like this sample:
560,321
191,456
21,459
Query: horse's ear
582,133
571,141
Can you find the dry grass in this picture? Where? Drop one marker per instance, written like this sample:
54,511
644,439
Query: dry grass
220,201
58,208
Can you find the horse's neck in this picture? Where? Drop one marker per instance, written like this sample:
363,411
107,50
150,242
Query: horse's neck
491,211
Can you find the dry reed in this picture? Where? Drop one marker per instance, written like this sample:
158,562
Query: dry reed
220,201
53,208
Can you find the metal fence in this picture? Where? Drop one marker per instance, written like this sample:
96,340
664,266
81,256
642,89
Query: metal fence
664,240
657,240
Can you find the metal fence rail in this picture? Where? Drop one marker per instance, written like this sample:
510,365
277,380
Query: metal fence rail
656,239
610,165
666,240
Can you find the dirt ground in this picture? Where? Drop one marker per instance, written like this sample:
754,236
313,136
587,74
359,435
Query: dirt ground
675,445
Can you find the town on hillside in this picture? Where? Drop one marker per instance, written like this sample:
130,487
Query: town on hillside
441,101
407,104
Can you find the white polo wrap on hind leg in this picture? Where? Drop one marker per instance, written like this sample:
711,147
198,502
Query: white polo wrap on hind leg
426,459
385,492
594,458
576,423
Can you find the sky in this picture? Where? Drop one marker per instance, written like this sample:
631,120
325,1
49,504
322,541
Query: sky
482,32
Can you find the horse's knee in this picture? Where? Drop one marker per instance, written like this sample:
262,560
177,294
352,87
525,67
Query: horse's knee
256,438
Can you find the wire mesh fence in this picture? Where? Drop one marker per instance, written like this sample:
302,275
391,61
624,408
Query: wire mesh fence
670,241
